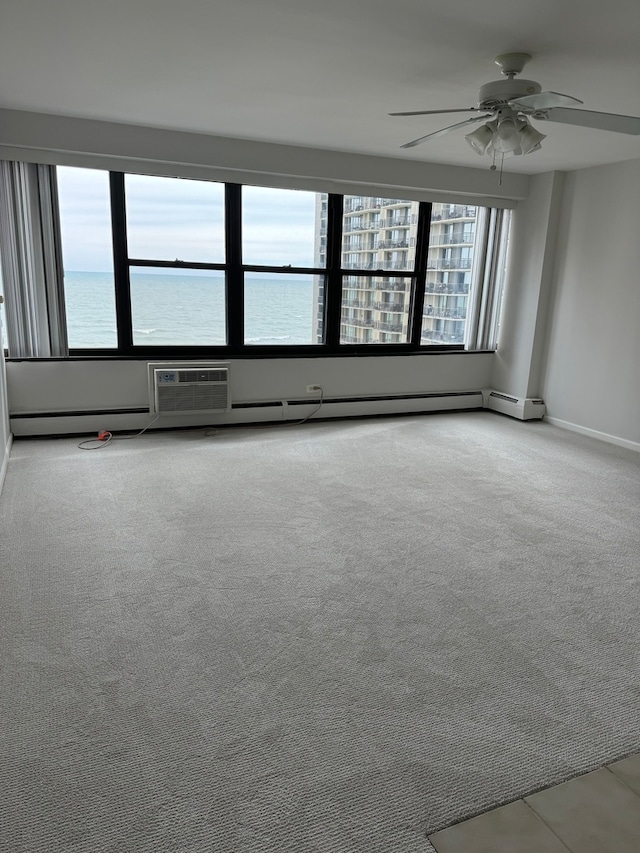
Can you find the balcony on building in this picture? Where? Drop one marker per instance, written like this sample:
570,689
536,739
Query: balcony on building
362,323
396,265
435,312
360,247
403,221
395,244
392,286
449,263
461,212
396,307
358,225
440,288
363,264
354,302
358,283
356,204
463,239
382,326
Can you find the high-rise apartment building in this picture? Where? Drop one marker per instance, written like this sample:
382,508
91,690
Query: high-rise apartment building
379,237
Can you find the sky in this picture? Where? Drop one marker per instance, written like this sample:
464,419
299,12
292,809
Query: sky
169,218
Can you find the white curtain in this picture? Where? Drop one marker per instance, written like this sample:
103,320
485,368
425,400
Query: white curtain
483,311
31,257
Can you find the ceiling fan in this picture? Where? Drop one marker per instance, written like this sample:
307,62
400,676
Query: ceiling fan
510,104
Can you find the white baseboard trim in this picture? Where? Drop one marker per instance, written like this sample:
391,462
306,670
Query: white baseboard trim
5,461
594,433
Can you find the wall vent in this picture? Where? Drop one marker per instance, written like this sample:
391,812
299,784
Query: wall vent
190,389
523,408
504,397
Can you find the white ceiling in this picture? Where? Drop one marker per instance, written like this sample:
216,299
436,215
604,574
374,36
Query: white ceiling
323,73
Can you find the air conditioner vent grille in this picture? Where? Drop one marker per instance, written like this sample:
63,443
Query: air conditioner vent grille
191,398
190,389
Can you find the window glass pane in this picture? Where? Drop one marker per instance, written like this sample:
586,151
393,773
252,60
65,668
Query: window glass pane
282,227
379,233
177,307
85,224
172,219
281,310
375,310
449,263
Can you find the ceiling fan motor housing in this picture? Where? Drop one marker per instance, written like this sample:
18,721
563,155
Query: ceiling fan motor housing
498,93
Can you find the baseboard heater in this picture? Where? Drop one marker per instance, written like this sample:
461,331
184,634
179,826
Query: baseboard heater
338,406
383,404
219,410
522,408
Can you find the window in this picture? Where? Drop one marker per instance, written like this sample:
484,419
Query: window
392,245
172,219
87,255
278,227
280,309
283,243
159,266
171,239
448,274
177,307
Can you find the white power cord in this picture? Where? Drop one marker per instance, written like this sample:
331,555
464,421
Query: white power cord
317,409
105,437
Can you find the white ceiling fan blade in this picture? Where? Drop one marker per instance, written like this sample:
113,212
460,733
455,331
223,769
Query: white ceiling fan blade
445,130
436,112
544,101
599,121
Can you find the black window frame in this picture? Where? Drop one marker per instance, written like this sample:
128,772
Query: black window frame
234,269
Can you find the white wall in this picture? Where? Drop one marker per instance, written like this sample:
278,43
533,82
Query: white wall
86,386
591,365
528,284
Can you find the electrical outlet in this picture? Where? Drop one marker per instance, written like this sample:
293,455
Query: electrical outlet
312,388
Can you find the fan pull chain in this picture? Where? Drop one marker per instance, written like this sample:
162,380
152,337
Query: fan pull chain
493,167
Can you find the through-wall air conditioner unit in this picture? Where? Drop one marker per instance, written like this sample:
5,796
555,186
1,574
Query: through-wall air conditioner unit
189,389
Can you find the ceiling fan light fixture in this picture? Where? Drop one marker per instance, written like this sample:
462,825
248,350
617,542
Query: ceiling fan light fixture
506,139
501,155
510,103
510,136
482,137
531,139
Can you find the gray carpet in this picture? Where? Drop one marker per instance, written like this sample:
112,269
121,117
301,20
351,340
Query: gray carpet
329,638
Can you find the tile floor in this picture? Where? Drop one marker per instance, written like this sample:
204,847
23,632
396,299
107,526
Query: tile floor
595,813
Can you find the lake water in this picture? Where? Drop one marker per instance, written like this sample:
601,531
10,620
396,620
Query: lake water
174,310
